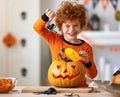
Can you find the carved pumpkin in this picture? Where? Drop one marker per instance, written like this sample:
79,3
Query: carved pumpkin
66,73
116,77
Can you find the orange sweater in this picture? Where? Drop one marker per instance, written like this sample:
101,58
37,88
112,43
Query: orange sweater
57,43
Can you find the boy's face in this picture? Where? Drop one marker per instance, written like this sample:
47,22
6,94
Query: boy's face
70,30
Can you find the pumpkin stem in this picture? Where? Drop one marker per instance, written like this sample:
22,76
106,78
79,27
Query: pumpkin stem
117,72
65,59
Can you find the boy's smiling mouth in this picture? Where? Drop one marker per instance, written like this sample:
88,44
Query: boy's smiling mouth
72,34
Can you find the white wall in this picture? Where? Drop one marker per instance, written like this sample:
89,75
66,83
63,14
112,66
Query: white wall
14,59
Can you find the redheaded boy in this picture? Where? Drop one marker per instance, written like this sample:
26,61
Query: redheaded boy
70,18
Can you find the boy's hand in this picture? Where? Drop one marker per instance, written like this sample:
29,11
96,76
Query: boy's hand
50,14
84,55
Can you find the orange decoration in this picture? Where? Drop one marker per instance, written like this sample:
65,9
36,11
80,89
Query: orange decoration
86,2
9,40
114,49
6,85
116,77
105,3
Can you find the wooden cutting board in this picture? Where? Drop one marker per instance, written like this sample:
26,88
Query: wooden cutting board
59,90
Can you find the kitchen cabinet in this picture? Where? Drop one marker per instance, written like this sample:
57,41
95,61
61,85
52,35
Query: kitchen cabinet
21,60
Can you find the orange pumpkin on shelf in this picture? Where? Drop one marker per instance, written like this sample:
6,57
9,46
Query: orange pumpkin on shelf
116,77
66,73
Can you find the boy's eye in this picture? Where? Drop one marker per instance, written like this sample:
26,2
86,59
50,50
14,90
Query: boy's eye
75,25
67,26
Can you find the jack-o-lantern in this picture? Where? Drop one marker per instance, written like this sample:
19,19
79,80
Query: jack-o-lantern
116,77
66,73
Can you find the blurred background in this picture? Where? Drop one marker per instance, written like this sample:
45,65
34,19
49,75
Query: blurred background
24,55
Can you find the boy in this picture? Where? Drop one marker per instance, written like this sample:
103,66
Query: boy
70,19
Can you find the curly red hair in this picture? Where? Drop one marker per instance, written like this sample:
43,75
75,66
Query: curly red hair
70,11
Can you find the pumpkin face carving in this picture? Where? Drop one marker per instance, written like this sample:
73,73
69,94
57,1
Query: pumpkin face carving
66,74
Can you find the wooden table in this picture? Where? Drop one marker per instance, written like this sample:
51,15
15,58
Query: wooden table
17,92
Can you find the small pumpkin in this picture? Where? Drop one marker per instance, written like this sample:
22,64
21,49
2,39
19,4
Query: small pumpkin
66,73
9,40
116,77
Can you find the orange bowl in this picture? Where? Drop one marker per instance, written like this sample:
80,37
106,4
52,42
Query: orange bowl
7,84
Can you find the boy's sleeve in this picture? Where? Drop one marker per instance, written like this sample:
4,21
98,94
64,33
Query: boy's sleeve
40,27
91,68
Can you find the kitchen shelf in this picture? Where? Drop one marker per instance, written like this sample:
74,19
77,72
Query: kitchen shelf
101,37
